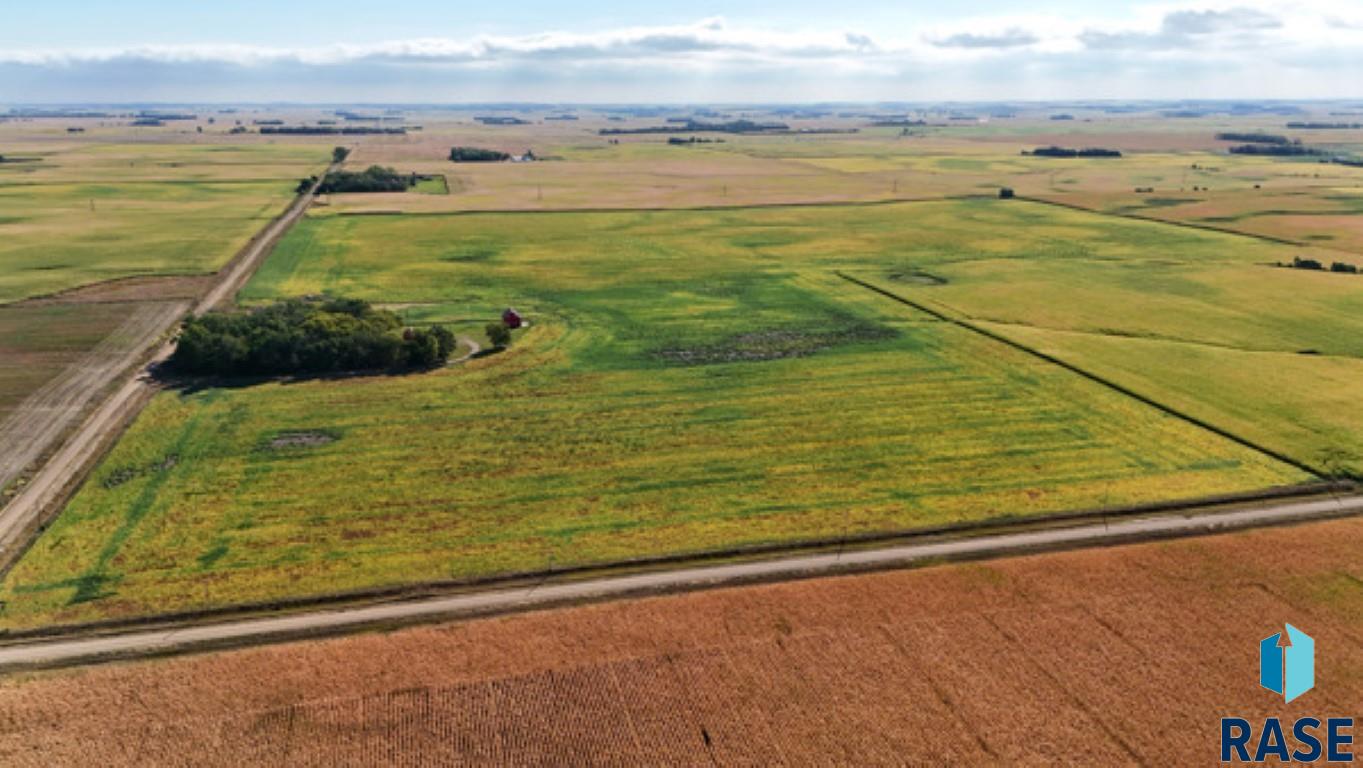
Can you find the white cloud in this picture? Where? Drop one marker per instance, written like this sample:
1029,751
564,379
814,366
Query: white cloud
705,38
980,57
1013,37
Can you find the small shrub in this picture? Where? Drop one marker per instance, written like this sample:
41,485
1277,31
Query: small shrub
498,334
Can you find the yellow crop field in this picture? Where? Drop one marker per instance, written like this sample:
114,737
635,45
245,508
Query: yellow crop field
690,381
75,215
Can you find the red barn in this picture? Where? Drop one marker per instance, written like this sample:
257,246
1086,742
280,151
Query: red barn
511,319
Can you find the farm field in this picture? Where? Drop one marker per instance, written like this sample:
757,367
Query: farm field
75,214
671,352
38,342
690,381
100,243
1302,405
62,236
644,384
1016,660
587,170
62,359
1327,217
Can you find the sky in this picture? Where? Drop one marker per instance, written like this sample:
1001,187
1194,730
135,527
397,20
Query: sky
695,51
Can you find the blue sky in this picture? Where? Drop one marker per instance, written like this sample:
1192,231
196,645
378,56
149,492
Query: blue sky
745,50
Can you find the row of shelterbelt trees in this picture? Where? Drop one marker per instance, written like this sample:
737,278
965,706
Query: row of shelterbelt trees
476,155
1066,152
375,178
301,336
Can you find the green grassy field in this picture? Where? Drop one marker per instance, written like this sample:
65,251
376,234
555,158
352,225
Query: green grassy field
100,212
1306,406
690,381
433,185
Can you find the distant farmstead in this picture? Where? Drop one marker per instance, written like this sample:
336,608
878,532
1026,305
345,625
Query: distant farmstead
512,319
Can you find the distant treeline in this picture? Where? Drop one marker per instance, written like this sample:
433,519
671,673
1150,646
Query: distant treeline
1293,149
346,114
375,178
561,117
1254,138
1325,126
693,126
167,115
476,155
898,123
309,337
1312,264
330,130
57,113
493,120
1066,152
147,122
677,140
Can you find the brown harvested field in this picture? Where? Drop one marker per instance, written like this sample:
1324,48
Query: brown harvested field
1110,656
132,289
33,426
1342,231
1318,212
38,342
637,173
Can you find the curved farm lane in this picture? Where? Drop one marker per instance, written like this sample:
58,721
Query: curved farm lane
88,649
20,519
474,348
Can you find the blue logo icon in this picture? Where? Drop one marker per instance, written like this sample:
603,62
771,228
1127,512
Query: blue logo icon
1287,663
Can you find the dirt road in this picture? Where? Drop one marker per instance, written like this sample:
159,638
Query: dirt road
20,519
473,349
257,630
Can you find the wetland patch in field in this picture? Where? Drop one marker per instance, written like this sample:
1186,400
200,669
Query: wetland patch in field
290,440
774,344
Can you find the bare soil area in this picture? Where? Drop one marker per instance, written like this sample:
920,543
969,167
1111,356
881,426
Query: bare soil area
35,424
132,289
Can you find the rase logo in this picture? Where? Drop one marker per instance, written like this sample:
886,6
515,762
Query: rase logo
1287,663
1287,667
